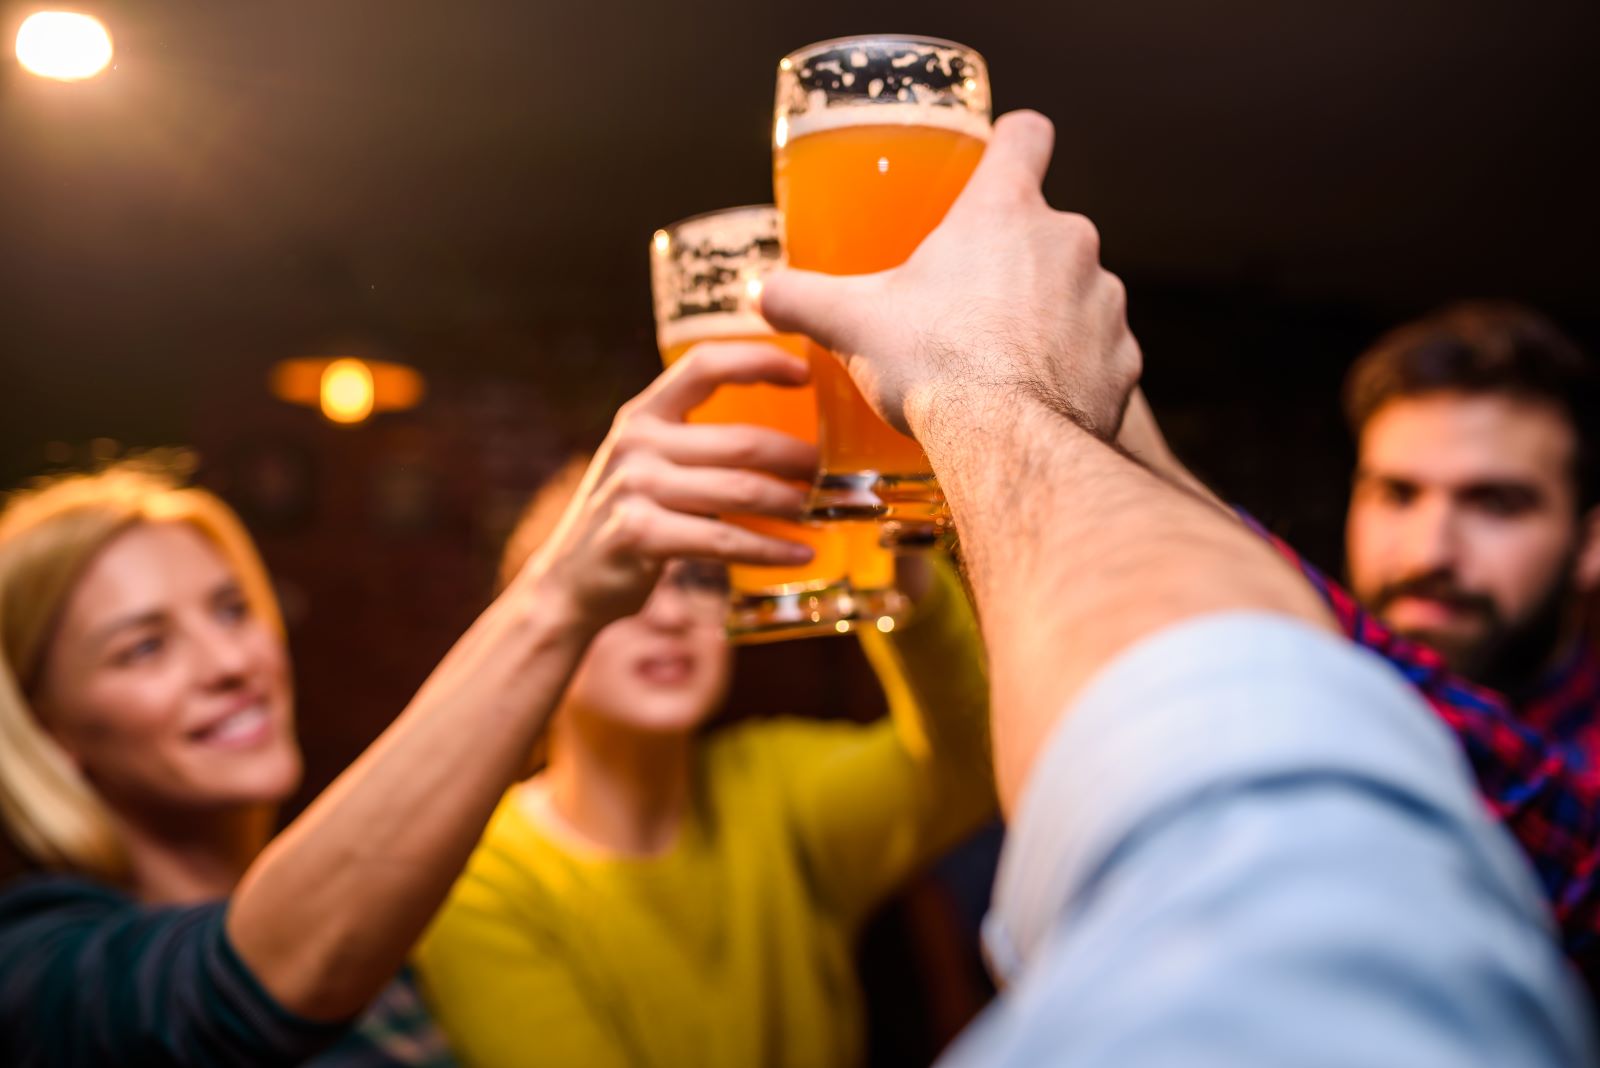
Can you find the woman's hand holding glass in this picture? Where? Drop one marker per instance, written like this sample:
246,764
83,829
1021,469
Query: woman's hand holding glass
656,481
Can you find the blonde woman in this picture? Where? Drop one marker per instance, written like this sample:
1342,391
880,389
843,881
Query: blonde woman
146,739
660,894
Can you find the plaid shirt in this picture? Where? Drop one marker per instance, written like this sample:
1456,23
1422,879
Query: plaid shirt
1537,761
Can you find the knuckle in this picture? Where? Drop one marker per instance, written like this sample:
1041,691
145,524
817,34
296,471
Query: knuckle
635,477
630,521
752,493
703,360
1082,233
1133,356
633,437
726,540
1116,292
744,450
626,412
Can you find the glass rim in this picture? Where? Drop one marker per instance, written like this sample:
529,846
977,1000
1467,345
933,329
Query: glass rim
833,43
739,209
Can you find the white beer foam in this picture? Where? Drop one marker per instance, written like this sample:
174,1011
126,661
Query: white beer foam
730,228
711,326
712,264
821,117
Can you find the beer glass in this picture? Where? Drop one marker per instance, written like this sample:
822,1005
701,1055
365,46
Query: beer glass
873,139
706,274
877,600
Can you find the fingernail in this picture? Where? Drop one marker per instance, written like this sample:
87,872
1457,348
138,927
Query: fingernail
800,554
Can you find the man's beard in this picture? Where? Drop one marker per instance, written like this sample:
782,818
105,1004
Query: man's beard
1506,655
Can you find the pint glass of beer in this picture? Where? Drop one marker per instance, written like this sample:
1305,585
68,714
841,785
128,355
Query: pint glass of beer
878,601
873,139
706,274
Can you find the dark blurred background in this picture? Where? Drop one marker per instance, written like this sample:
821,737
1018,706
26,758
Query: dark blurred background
469,188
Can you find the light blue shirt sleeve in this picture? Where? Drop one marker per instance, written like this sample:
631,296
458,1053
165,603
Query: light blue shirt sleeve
1249,843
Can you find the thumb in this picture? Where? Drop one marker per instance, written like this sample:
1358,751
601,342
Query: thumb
829,309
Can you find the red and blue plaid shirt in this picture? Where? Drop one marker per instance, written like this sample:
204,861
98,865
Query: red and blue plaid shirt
1537,761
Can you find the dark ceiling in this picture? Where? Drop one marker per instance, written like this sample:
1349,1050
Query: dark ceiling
461,180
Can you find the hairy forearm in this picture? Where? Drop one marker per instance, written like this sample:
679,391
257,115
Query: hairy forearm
329,911
1075,552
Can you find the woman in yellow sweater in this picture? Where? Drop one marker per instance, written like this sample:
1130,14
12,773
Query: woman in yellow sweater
661,896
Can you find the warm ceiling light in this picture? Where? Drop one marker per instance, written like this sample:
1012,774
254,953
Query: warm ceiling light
63,45
347,390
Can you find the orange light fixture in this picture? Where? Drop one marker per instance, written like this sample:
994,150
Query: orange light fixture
63,45
345,389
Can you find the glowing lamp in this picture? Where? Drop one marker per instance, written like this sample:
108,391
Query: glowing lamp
345,389
63,45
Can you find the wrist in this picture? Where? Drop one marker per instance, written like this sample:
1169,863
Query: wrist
545,598
973,421
954,410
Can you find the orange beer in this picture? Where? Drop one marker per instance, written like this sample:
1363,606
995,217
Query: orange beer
705,276
873,140
857,199
792,411
871,565
872,575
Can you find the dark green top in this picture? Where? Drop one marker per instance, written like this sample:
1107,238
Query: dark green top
88,976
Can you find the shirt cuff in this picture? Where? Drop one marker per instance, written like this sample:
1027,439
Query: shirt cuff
264,1026
1210,703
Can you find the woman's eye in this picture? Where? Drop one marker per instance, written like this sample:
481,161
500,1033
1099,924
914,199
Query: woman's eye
706,578
139,651
233,610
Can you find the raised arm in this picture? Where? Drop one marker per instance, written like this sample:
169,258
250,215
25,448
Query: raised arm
328,913
1117,606
874,803
1003,346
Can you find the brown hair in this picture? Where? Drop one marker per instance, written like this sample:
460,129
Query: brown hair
538,521
540,518
1482,347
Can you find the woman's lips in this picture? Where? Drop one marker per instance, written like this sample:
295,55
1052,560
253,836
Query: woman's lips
665,670
240,729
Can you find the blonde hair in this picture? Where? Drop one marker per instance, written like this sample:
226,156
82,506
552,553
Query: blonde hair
49,533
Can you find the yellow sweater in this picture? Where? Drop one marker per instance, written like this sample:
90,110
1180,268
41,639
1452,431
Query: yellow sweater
734,949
